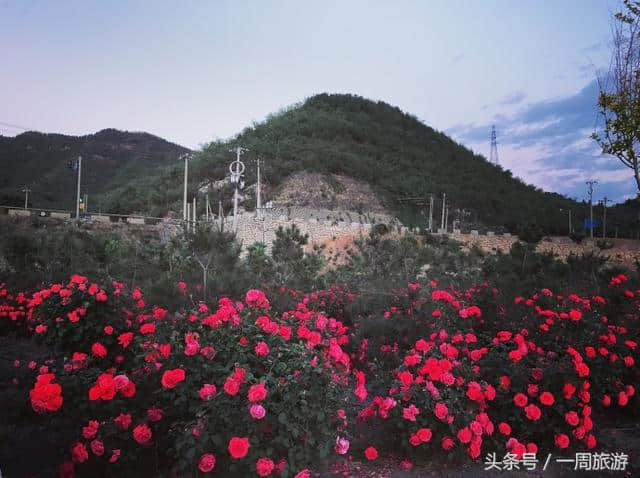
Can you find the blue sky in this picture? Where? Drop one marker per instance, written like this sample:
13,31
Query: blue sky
193,71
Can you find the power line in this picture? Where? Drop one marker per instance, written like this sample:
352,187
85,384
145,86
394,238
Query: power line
17,126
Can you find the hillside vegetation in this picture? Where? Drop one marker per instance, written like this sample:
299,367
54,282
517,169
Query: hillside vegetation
333,135
110,158
395,153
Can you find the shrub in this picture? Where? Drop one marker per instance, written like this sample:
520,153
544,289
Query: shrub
237,389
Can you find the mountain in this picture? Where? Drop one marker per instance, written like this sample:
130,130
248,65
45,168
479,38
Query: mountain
390,153
109,158
396,154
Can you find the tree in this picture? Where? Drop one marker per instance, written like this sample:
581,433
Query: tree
292,265
215,252
619,97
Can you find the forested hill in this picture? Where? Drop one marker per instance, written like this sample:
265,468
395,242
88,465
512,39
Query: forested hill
395,152
110,158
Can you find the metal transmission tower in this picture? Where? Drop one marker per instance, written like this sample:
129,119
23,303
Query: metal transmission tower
493,155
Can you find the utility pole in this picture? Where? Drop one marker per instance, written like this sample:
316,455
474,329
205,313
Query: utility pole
206,209
430,212
258,202
590,184
26,192
570,225
184,197
604,217
446,220
220,216
444,200
86,202
193,214
186,221
236,168
78,191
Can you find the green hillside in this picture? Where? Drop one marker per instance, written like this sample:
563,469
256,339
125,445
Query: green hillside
110,158
395,152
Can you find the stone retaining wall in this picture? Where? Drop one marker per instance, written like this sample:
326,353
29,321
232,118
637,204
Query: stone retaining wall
623,251
252,229
293,213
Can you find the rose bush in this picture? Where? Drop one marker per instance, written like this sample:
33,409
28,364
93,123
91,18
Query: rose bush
248,389
526,376
236,390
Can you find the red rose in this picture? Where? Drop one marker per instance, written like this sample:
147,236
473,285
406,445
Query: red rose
142,434
520,399
155,414
474,450
239,374
464,435
123,421
406,378
490,393
546,398
104,388
371,453
474,392
447,443
97,447
561,440
264,466
504,428
238,447
256,298
125,339
79,453
257,392
231,386
129,390
261,349
46,396
171,378
207,392
98,350
575,315
424,434
148,328
572,418
90,430
568,390
532,412
207,463
582,369
623,399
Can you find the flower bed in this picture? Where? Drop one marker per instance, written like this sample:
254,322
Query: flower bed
242,389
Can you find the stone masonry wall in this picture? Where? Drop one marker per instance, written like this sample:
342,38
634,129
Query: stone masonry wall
624,251
252,229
